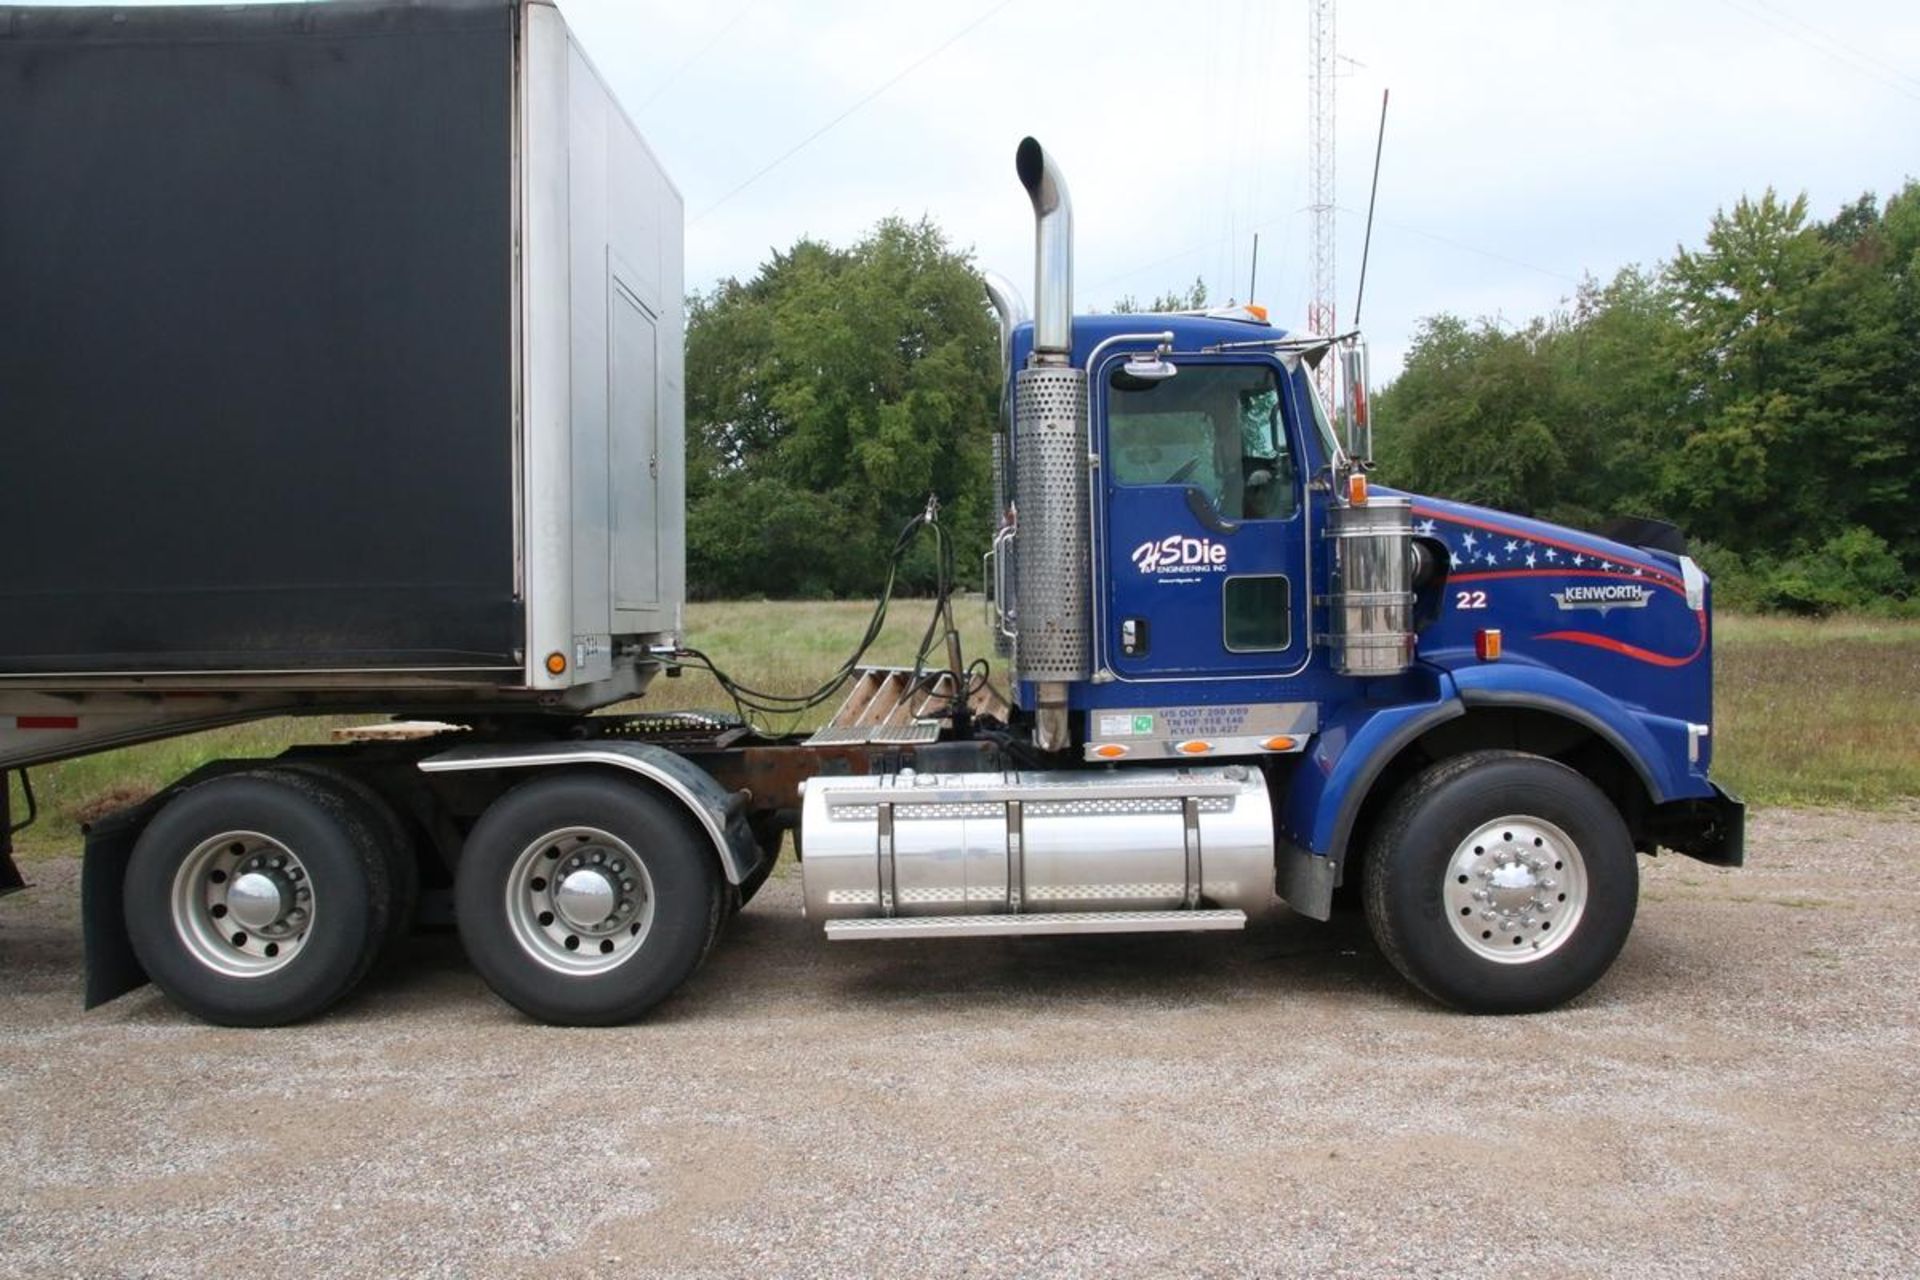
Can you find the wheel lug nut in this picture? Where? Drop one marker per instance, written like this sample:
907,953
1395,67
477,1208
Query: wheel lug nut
627,885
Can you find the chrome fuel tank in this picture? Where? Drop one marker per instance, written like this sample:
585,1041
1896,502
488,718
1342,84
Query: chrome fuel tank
910,844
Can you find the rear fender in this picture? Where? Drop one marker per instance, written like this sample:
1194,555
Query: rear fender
720,814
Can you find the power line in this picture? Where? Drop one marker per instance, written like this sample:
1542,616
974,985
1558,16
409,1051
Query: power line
1464,246
1837,42
1212,243
891,81
697,54
1834,50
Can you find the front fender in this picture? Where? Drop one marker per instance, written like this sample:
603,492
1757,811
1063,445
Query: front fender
1348,753
1656,746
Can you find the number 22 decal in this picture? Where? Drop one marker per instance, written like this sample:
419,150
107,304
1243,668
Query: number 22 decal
1469,599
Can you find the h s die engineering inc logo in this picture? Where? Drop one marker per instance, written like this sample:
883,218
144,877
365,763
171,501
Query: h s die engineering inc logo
1178,556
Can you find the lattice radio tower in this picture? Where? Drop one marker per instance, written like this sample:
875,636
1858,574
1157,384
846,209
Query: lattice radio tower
1320,82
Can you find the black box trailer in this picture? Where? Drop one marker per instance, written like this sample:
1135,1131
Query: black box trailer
340,348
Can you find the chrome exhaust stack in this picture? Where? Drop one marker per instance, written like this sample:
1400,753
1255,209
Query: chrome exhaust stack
1009,307
1053,646
1052,252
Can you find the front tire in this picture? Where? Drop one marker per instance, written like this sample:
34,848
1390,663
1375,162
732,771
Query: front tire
585,900
1500,882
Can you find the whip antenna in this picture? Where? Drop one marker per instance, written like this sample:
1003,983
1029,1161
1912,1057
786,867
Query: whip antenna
1372,197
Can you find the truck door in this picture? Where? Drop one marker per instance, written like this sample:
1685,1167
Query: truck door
633,447
1203,536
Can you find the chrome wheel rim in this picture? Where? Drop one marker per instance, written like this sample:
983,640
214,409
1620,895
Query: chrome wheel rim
580,900
243,904
1516,889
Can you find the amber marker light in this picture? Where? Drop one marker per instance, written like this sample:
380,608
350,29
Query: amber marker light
1486,644
1194,747
1109,751
556,663
1357,489
1280,743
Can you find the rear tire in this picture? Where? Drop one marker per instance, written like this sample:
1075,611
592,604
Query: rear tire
585,900
396,840
1500,882
257,899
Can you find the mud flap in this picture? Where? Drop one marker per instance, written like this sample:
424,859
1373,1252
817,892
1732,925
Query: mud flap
112,968
1306,881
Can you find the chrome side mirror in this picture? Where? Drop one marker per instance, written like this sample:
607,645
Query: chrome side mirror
1359,402
1150,367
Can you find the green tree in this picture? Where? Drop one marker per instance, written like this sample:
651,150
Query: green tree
1192,298
1761,390
827,397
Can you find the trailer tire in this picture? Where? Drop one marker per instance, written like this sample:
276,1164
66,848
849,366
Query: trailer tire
396,840
584,899
1476,863
220,859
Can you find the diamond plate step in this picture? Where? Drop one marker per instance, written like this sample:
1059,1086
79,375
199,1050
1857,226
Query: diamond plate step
1036,923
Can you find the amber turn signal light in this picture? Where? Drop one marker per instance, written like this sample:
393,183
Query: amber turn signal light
1486,644
556,663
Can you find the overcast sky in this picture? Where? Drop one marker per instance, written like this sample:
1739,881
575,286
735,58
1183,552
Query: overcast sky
1527,143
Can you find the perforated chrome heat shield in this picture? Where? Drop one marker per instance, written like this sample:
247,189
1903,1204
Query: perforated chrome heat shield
1050,547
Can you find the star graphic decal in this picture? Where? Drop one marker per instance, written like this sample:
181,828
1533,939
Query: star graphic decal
1469,541
1531,559
1512,546
1425,527
1578,560
1552,554
1456,559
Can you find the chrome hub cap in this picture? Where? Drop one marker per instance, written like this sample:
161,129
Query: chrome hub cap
587,898
243,904
1515,890
579,900
257,900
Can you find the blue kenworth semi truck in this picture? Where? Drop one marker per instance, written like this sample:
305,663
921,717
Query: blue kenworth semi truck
342,373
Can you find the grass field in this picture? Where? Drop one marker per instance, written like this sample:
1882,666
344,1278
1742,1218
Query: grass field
1806,712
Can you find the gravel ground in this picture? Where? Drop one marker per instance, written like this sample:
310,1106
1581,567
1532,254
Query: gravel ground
1737,1098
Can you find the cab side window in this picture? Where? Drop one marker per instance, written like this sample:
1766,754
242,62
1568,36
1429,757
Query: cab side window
1212,427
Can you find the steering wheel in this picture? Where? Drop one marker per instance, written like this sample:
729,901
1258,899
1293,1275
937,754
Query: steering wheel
1185,472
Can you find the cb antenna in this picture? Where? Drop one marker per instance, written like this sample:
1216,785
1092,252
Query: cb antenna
1372,197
